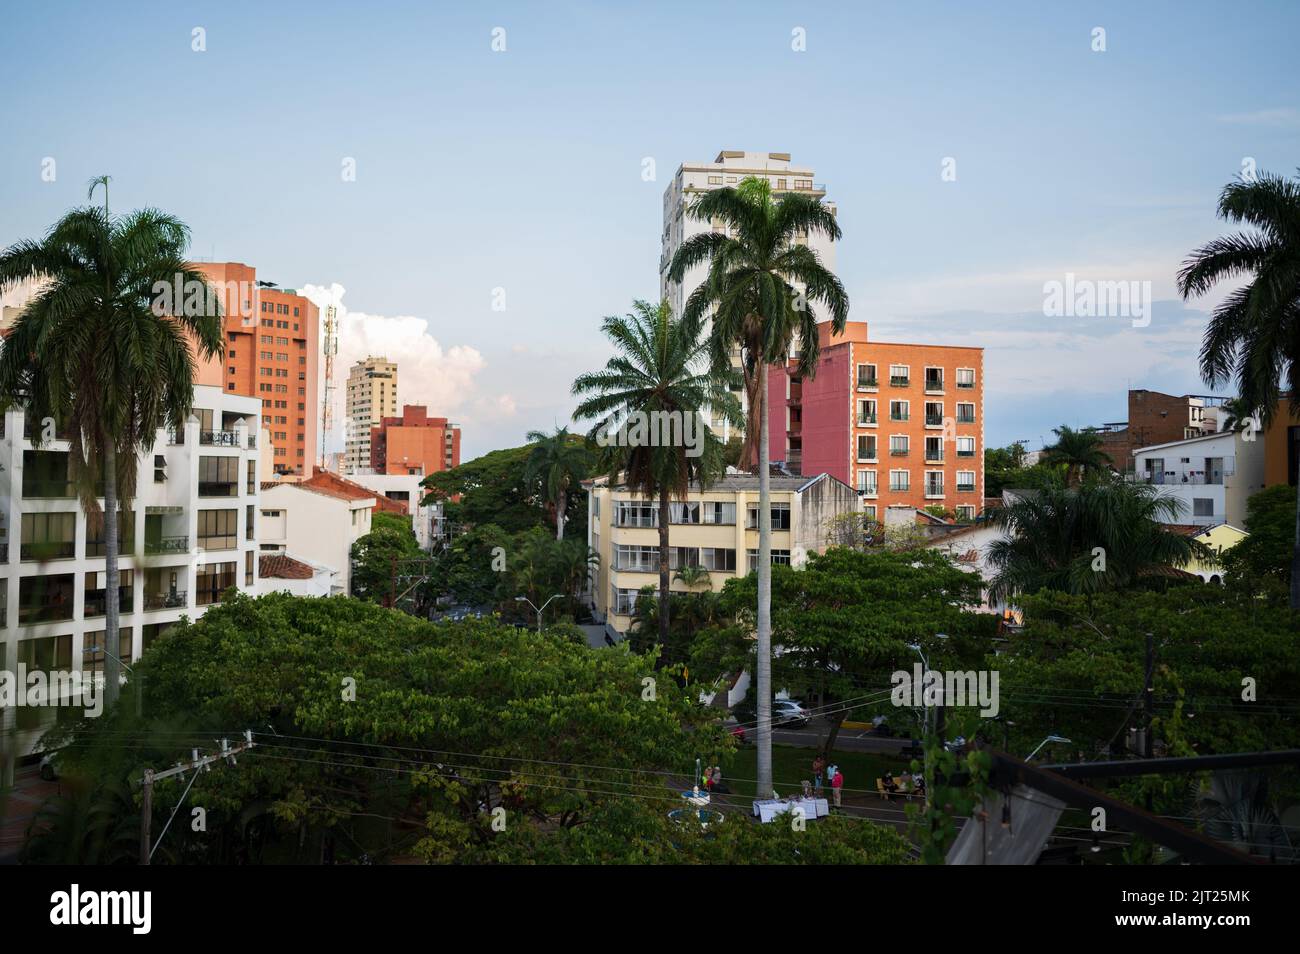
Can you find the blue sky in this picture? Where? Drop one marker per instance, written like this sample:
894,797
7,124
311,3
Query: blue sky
522,169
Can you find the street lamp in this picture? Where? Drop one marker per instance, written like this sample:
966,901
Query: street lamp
1050,738
524,599
925,725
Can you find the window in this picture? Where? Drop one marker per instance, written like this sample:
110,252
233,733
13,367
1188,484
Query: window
213,580
867,482
248,563
252,476
965,413
95,543
248,522
899,410
934,483
900,481
636,559
866,412
630,513
869,512
1203,506
965,481
965,512
718,559
713,512
45,474
965,378
965,447
96,596
898,445
899,375
934,449
934,379
43,599
623,601
780,516
866,447
866,376
159,468
934,414
779,557
48,536
218,476
218,529
94,648
46,654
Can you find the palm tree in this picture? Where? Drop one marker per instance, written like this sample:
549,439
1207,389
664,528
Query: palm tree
559,462
1235,416
1079,452
91,353
1053,536
761,291
661,367
693,576
1254,333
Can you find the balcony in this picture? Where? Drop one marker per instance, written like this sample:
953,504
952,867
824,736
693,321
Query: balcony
172,600
899,381
868,384
965,488
219,438
934,385
1188,479
934,420
164,545
965,418
898,452
96,602
934,457
866,420
42,550
900,418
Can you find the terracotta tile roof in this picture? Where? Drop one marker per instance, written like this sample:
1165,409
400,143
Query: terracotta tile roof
281,567
388,505
329,484
1185,529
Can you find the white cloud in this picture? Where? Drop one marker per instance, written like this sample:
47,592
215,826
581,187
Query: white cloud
441,378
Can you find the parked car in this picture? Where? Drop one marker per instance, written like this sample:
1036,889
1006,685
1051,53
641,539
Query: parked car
50,765
786,713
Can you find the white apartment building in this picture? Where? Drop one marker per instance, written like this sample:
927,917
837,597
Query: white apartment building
716,529
316,520
1212,476
188,536
371,397
693,179
426,519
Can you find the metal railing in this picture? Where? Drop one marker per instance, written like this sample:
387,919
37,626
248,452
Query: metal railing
179,544
219,438
170,600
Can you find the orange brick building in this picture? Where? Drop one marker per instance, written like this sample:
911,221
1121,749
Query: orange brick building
272,353
901,423
414,443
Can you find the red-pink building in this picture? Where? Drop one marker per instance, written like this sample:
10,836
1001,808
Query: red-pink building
902,423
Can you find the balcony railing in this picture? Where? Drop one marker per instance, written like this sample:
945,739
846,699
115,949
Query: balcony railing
898,452
934,457
965,418
171,600
48,550
865,383
48,488
965,488
934,384
899,381
934,420
865,419
1200,480
899,417
167,545
219,438
97,604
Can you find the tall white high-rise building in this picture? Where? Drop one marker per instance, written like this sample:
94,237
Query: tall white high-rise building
371,397
728,169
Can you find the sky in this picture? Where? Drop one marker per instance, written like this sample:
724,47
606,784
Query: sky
521,169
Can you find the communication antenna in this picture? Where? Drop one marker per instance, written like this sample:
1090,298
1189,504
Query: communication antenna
331,348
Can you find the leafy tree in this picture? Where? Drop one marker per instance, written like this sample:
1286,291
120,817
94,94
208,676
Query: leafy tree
1264,557
497,489
660,369
762,292
1254,333
558,463
1106,534
92,352
447,721
1078,452
846,621
384,559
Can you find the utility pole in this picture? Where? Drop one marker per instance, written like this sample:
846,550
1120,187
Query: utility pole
197,764
1148,696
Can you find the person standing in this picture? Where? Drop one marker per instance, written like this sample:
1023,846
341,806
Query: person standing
819,770
837,785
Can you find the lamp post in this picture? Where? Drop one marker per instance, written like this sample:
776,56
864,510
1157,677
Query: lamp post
1050,738
925,726
524,599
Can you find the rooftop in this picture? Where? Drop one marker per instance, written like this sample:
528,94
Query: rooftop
280,567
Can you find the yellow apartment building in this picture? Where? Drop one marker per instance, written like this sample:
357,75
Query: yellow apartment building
716,529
